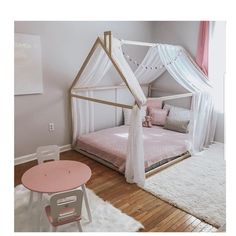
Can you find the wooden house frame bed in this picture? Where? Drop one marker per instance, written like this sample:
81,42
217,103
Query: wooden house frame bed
107,47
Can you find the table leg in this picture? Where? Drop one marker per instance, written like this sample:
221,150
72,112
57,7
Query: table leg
40,210
86,202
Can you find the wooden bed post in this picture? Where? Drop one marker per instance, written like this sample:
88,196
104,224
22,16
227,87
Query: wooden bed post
85,63
149,90
108,47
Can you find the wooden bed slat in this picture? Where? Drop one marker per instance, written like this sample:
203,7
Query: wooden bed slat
103,101
164,166
147,174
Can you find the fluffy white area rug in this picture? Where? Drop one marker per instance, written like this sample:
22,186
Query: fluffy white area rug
195,185
106,218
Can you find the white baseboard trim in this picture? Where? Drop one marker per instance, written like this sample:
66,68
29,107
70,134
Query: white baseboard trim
32,157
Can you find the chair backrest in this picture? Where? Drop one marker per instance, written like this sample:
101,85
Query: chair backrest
46,153
66,205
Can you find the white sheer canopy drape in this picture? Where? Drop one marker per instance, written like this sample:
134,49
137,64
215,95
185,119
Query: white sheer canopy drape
187,74
152,59
134,169
83,111
180,66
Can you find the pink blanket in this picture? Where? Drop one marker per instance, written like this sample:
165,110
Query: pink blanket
111,144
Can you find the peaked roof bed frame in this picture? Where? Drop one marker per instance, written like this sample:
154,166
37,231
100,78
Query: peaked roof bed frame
107,47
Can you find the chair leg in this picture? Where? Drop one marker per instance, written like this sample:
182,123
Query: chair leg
86,202
30,201
40,210
79,226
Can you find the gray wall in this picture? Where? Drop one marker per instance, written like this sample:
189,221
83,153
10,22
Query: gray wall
64,47
185,34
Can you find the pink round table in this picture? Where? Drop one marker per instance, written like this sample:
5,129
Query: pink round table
57,176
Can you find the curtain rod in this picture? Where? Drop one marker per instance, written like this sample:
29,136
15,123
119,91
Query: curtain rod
138,43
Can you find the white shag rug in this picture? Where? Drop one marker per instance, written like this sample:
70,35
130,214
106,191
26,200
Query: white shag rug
195,185
106,218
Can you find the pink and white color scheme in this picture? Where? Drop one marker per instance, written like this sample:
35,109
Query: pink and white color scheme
203,45
65,208
182,68
57,176
111,144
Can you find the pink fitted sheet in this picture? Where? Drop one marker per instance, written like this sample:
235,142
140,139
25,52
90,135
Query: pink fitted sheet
111,144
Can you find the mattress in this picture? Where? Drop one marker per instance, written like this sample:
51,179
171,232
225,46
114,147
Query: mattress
160,145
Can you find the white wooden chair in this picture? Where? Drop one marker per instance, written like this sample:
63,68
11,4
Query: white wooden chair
64,208
47,153
43,154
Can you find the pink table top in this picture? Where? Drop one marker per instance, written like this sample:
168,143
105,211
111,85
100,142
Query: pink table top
56,176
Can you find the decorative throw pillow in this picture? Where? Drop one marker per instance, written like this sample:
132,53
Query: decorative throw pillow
167,107
176,125
153,103
177,113
158,116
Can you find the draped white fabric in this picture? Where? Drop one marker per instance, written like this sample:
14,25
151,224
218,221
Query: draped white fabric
180,66
83,111
152,59
187,74
134,169
132,81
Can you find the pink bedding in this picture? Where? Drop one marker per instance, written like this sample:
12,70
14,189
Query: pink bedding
111,144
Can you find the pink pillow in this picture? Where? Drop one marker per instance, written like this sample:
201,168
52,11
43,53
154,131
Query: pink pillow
153,103
158,116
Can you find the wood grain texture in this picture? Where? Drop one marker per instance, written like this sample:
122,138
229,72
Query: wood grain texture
156,215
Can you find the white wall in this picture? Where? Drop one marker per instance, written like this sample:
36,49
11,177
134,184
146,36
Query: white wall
64,47
184,34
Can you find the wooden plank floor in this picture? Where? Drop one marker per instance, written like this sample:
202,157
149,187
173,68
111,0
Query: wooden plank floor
155,214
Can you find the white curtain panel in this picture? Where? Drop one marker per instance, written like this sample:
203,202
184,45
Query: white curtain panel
134,170
83,111
187,74
153,60
124,67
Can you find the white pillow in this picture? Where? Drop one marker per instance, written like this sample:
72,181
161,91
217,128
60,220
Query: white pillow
127,115
179,113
